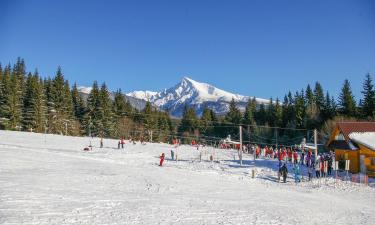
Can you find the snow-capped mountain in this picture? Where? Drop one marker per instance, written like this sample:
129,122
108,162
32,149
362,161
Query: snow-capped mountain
194,94
144,95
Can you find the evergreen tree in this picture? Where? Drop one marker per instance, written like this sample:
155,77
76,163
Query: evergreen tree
347,103
271,114
119,105
78,104
310,98
261,115
206,122
107,112
189,123
15,101
319,96
278,113
94,116
149,117
33,104
60,105
368,101
5,98
234,115
300,109
249,112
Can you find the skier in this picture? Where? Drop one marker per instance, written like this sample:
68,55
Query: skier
317,169
284,172
122,142
310,171
162,159
295,157
303,157
297,173
172,154
329,166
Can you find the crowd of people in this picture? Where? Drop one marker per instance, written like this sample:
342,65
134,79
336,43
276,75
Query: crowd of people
297,158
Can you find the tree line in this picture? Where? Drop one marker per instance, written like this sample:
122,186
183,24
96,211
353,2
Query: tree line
29,102
285,122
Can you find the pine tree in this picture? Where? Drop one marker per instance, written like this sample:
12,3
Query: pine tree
33,104
60,105
250,110
234,115
319,96
347,103
108,115
368,101
189,122
261,115
300,109
206,122
119,105
15,101
149,117
310,98
94,115
78,104
278,113
271,114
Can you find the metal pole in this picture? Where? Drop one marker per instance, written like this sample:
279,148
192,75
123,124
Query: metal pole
240,150
278,149
316,143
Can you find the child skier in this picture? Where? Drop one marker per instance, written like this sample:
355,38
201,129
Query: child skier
162,159
297,173
284,172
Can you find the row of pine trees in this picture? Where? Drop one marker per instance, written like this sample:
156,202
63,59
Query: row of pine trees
29,102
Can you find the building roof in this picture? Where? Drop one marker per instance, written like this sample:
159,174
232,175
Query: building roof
343,145
364,138
354,127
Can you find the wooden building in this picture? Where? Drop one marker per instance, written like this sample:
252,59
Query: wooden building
355,141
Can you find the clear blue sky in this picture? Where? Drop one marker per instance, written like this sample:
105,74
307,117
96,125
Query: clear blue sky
262,48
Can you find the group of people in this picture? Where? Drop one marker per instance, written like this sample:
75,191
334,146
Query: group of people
322,166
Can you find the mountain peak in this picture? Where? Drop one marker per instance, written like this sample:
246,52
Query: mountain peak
195,94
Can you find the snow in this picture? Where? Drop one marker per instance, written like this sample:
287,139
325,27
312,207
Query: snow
84,90
144,95
365,138
48,179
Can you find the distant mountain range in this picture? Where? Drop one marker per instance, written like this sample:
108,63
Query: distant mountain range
190,92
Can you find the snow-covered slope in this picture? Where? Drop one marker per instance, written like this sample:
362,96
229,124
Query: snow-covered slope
194,94
48,179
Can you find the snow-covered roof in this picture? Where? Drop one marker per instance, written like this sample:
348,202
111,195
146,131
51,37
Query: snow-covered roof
364,138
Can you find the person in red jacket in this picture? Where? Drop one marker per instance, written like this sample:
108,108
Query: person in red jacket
257,152
295,157
162,159
122,142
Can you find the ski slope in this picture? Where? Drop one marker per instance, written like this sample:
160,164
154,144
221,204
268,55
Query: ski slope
48,179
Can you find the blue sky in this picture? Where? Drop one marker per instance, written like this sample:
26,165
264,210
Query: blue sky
262,48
